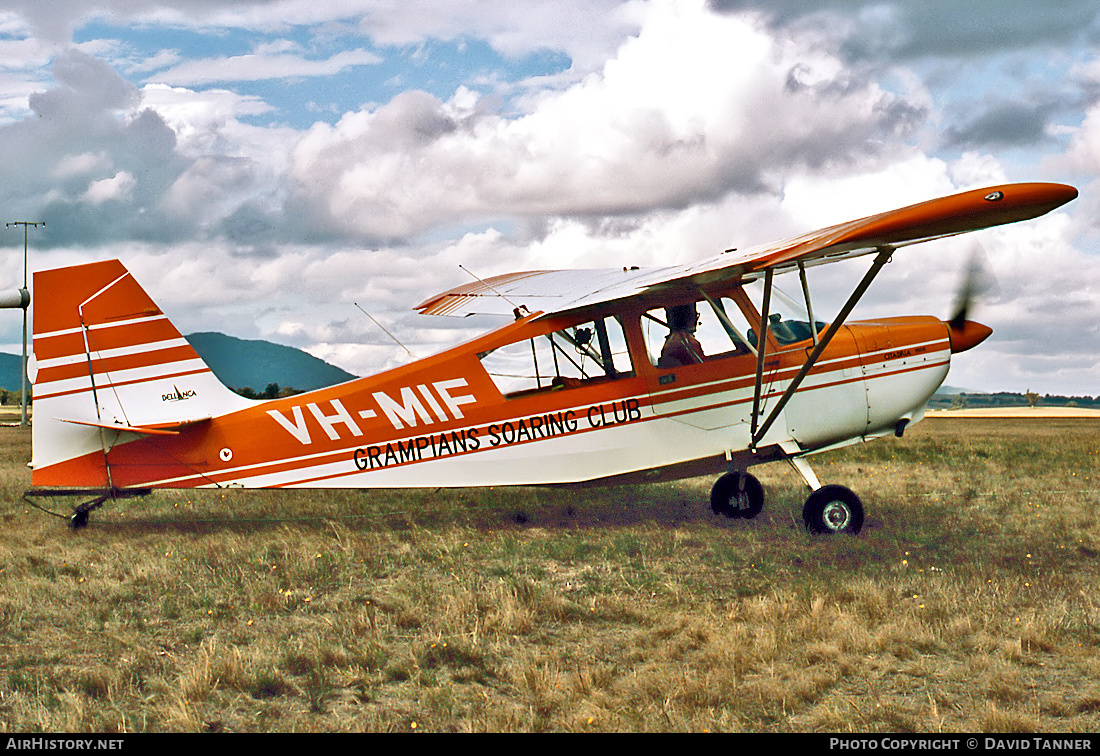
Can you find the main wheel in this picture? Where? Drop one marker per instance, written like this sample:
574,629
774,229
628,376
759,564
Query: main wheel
737,496
833,509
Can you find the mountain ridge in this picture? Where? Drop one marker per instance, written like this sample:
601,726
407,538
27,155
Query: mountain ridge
256,363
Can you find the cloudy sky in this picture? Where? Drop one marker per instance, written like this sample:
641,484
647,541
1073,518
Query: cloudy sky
264,165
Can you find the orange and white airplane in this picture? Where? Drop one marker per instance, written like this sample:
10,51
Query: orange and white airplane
601,377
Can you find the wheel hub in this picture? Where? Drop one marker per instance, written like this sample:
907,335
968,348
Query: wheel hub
837,516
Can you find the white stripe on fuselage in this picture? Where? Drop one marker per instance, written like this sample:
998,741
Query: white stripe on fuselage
326,467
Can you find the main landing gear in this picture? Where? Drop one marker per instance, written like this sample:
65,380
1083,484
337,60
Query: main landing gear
737,495
833,509
829,509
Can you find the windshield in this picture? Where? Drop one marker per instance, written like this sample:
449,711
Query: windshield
788,320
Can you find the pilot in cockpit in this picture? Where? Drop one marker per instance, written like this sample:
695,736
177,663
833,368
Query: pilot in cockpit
681,347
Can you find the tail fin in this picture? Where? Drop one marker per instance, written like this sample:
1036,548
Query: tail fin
108,367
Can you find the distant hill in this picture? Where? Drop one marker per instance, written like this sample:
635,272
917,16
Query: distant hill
241,363
238,363
10,372
946,390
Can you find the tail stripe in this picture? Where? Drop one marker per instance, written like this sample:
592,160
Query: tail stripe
80,307
101,326
120,378
109,354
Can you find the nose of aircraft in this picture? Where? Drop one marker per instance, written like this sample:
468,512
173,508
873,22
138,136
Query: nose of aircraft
967,335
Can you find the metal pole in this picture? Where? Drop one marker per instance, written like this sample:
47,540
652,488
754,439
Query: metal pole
26,225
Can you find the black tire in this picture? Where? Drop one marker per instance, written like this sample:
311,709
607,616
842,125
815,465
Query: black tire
833,509
737,496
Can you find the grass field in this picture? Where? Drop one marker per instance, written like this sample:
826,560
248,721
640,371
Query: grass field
970,602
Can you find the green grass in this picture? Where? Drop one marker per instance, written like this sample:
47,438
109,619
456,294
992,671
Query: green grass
971,602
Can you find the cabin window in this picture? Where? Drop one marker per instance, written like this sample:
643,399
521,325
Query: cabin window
788,320
574,356
685,334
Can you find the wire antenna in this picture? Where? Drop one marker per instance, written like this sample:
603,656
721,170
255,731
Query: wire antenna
395,339
516,308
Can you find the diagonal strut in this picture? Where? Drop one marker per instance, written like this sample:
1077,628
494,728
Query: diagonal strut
881,258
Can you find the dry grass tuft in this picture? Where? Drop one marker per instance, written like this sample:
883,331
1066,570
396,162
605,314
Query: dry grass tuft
971,602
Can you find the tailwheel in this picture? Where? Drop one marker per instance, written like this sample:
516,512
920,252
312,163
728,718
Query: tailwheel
833,509
737,495
80,514
79,519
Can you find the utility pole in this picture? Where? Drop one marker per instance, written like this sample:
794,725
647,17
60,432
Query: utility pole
25,300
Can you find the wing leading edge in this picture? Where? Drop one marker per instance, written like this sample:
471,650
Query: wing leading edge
555,291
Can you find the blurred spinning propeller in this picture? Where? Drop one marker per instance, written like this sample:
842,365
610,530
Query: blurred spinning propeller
978,281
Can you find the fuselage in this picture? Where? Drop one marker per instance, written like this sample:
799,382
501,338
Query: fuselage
446,421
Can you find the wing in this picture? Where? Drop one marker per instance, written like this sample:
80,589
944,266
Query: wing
555,291
545,290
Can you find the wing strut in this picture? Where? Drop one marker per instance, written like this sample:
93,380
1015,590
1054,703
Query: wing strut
809,304
882,256
761,348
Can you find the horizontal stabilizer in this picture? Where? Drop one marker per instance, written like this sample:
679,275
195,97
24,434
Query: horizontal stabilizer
167,429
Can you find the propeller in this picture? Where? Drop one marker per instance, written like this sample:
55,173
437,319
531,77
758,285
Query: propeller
978,281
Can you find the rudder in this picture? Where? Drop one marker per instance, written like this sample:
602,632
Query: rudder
107,368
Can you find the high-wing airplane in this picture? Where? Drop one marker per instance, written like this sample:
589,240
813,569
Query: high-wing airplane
599,377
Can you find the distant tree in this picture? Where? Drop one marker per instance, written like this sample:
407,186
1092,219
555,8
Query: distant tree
1032,398
271,391
958,402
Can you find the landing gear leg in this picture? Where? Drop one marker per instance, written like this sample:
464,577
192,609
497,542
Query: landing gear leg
737,495
829,509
